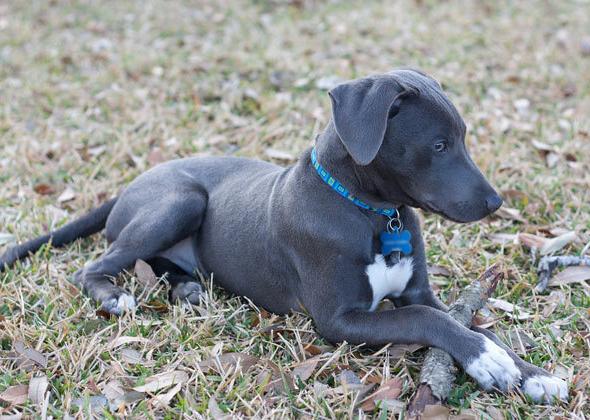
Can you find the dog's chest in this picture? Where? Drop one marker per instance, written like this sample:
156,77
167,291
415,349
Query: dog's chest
386,280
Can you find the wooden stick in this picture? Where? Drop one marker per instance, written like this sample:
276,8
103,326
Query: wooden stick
438,370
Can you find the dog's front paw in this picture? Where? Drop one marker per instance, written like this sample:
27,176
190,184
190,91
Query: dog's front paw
493,367
545,387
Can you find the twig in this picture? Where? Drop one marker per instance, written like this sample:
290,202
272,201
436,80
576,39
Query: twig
438,370
548,264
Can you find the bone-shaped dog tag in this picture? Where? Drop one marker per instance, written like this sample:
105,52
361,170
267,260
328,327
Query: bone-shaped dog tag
396,241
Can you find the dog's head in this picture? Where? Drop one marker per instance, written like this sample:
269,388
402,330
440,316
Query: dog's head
402,128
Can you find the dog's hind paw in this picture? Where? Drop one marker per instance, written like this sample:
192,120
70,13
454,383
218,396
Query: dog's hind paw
494,368
544,388
189,291
119,305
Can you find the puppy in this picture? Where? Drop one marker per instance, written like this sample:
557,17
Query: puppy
333,235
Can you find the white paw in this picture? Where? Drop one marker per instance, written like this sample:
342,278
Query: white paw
543,388
494,367
117,306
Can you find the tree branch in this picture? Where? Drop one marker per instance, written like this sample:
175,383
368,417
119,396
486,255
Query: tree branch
438,370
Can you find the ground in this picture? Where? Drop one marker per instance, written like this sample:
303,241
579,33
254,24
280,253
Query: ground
93,93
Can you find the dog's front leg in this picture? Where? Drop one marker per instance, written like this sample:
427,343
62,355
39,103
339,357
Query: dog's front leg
489,364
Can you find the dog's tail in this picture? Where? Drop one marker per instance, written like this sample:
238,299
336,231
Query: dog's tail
92,222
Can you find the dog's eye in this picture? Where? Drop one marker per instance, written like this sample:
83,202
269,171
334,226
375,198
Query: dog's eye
441,146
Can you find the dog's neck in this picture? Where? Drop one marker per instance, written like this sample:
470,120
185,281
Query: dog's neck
363,182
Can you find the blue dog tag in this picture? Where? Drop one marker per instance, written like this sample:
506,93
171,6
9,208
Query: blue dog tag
396,241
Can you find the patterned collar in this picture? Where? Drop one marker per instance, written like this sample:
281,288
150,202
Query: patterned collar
341,189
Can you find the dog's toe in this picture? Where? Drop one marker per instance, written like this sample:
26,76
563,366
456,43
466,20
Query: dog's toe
545,388
119,304
494,368
189,291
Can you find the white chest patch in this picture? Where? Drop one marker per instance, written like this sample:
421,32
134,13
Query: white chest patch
386,280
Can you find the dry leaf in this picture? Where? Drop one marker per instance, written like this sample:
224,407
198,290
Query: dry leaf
15,395
120,341
571,275
67,195
390,390
6,238
495,413
436,412
510,214
245,361
155,156
30,354
305,369
509,308
439,270
131,356
279,154
145,274
555,244
162,380
215,411
531,241
163,400
37,388
44,189
502,238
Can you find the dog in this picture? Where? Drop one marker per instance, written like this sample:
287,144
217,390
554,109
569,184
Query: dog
332,235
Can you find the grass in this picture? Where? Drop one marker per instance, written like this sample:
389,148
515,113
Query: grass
93,93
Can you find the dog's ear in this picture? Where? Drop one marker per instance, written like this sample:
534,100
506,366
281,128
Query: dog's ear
360,110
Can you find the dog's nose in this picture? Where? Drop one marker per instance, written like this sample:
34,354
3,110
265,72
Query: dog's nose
493,202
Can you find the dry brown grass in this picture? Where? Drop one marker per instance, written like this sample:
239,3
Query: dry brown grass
94,93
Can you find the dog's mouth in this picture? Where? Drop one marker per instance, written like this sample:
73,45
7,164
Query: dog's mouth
431,208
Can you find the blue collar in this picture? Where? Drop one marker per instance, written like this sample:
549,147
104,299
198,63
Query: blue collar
341,189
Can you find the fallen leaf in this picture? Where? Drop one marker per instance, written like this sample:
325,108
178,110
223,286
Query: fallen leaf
37,388
67,195
510,214
44,189
118,396
305,369
162,380
279,154
512,310
544,148
163,400
6,238
15,395
555,244
30,354
502,238
131,356
226,360
398,350
313,349
439,270
96,403
520,341
122,340
145,274
570,275
389,390
436,412
495,413
531,241
215,411
155,156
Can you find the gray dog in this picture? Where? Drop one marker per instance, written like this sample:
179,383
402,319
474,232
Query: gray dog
332,235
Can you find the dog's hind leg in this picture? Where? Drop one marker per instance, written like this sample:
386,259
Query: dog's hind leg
148,229
184,287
